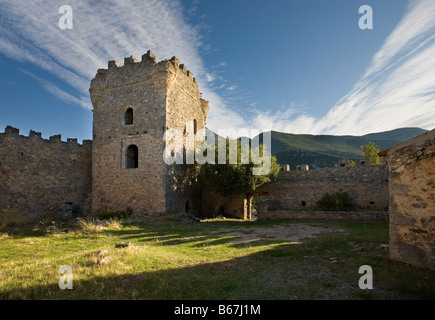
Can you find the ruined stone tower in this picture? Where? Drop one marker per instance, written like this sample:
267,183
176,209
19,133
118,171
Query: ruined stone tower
134,105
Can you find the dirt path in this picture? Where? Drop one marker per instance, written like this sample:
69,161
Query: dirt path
292,233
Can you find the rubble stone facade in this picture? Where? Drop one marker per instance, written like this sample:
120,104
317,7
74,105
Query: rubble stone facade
300,190
40,177
412,201
134,106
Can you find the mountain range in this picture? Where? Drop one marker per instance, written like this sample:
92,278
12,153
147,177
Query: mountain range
322,151
325,151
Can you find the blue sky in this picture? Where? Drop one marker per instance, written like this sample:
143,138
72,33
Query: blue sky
285,65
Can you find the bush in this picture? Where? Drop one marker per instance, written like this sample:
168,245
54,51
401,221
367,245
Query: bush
337,201
114,215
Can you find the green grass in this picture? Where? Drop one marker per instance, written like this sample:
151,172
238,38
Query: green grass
172,259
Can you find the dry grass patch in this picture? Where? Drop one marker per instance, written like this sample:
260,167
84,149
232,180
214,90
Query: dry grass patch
93,226
4,236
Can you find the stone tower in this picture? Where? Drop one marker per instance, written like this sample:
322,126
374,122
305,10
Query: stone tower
133,106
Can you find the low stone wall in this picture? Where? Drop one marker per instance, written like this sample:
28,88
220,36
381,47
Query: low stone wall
43,178
295,190
325,215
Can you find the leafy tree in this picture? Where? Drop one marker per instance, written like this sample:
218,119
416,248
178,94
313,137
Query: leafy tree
371,151
234,179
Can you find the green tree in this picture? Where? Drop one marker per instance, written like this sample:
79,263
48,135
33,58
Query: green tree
371,151
234,179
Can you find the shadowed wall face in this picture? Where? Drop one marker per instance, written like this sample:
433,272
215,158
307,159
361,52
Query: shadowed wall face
412,201
43,178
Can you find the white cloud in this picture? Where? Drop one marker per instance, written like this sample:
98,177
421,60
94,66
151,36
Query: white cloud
102,31
397,90
59,93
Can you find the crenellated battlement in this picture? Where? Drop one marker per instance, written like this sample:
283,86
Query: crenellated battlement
11,131
134,70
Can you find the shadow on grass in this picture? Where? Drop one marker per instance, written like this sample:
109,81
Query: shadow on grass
270,274
284,272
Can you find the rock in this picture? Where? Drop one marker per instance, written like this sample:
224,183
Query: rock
383,247
102,253
105,260
110,234
122,244
359,249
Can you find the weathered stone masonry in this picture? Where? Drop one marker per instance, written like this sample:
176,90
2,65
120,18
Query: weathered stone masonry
366,185
296,190
160,96
43,177
412,201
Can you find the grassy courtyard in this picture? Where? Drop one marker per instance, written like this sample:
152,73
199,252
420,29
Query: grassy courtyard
177,258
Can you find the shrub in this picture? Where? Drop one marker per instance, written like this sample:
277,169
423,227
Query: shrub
337,201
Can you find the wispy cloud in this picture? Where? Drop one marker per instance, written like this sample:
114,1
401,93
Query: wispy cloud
397,89
59,93
102,31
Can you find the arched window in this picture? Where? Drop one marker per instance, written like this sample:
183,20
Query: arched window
128,116
195,126
132,157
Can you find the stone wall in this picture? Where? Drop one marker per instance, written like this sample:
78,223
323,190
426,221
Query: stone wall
162,96
41,177
412,201
141,87
366,185
214,204
324,215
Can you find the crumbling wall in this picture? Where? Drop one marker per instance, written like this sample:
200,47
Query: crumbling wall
213,204
412,201
163,96
366,185
40,177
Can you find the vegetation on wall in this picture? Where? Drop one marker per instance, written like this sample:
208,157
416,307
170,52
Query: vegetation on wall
235,179
337,201
371,151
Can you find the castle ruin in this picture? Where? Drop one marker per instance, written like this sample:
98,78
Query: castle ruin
134,106
123,167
